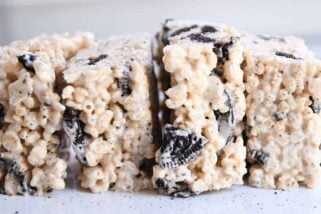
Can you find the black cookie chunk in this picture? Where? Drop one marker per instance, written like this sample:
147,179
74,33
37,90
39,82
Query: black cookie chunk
183,30
179,146
166,31
279,115
200,38
74,130
27,61
2,115
221,49
175,189
268,38
287,55
124,82
161,185
259,156
3,165
208,29
182,190
222,52
226,121
32,190
93,61
315,105
14,169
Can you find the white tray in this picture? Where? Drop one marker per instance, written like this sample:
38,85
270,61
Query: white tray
240,199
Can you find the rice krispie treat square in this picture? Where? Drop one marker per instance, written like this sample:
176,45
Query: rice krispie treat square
31,112
111,115
283,120
202,147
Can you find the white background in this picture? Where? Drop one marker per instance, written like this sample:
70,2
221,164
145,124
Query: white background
21,19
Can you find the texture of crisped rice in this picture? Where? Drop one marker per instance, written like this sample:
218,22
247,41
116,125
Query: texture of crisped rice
283,85
202,146
31,112
110,117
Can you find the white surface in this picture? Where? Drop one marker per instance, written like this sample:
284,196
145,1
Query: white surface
236,200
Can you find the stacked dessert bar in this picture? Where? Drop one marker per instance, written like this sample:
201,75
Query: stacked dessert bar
110,118
31,112
202,147
283,121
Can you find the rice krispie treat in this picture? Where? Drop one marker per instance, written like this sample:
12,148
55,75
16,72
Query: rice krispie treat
31,112
202,147
111,114
283,121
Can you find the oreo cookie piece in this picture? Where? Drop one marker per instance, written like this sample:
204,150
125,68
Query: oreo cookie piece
222,49
124,82
287,55
179,146
198,37
93,61
182,30
226,121
208,29
268,38
259,156
2,115
74,130
279,115
14,169
165,32
32,190
315,105
182,190
3,165
161,185
27,61
179,189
